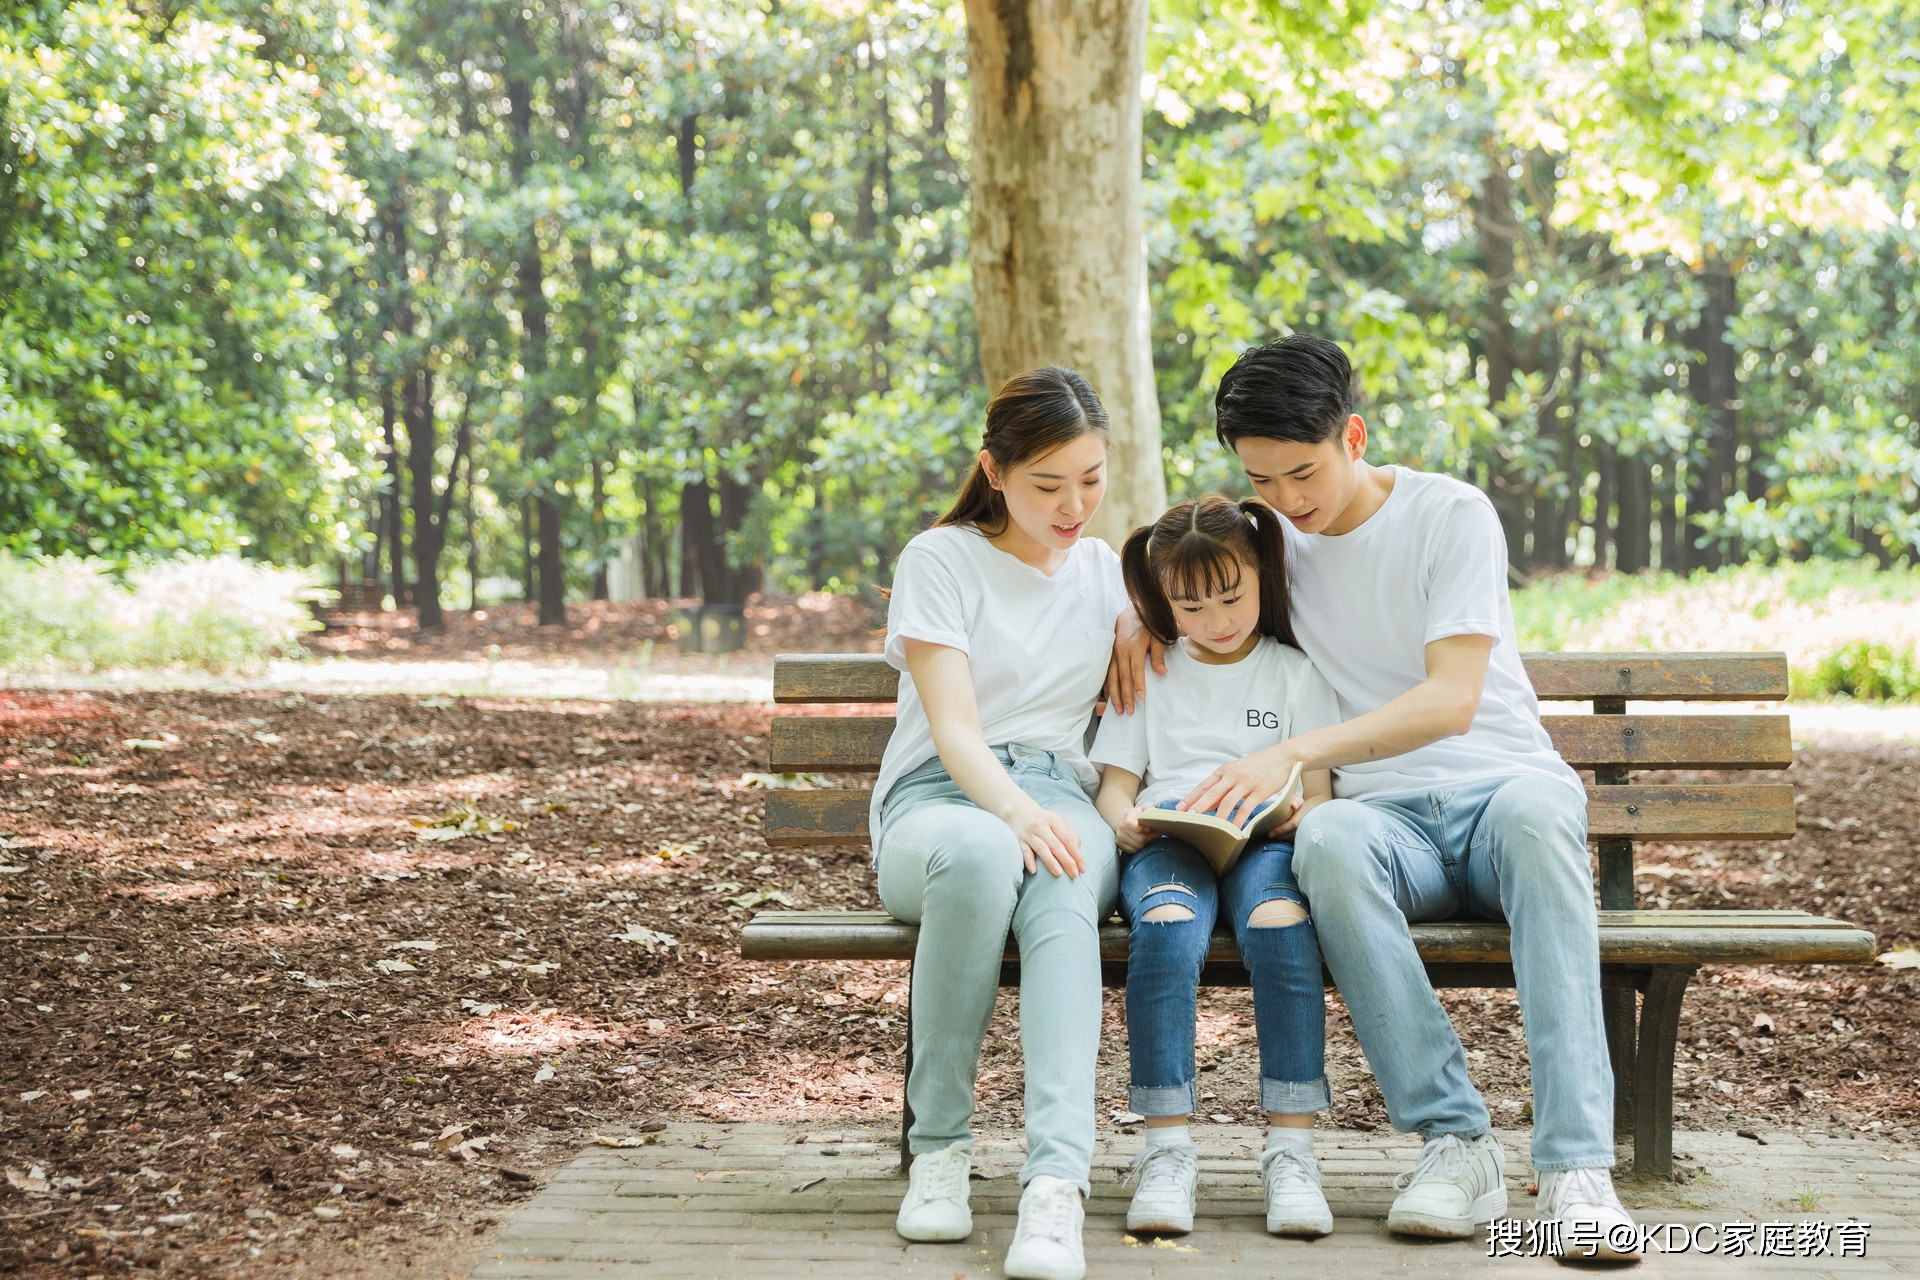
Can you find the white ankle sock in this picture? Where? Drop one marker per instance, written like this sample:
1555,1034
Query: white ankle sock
1286,1135
1172,1135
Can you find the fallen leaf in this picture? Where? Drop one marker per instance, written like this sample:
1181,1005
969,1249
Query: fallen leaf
479,1009
810,1182
1901,958
395,966
80,1095
175,1219
646,937
345,1152
543,1075
12,871
1763,1023
1126,1117
33,1182
33,1095
515,1175
413,946
1217,1118
627,1140
325,1212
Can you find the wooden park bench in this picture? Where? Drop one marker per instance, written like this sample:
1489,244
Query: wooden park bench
1654,953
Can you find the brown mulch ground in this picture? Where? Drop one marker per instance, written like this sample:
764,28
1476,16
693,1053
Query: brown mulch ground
596,630
217,1019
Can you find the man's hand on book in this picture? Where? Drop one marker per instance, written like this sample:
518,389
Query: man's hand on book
1047,837
1246,781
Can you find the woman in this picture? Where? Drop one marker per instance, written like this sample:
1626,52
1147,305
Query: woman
1001,620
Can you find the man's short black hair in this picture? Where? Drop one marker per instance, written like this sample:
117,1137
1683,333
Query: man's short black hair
1297,388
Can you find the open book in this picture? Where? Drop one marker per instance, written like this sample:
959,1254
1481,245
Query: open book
1220,840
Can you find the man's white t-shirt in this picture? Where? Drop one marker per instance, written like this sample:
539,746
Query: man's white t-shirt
1430,563
1200,716
1038,645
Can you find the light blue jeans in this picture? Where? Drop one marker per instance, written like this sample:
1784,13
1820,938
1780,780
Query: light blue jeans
956,871
1512,849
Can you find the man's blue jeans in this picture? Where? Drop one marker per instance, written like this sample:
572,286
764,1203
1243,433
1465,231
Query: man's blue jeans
1512,849
1163,976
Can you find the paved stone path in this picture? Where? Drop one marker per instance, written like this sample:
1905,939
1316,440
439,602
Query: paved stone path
748,1200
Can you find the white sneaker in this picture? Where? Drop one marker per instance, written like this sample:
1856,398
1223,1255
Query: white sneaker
1594,1225
1453,1186
935,1207
1046,1242
1169,1180
1290,1181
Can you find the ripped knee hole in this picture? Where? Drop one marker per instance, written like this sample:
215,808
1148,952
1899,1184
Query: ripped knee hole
1169,911
1277,913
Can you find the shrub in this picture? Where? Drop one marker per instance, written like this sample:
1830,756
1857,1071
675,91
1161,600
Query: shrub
1862,669
216,614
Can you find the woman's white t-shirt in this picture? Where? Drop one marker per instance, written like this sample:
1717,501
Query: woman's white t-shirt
1430,563
1201,715
1038,645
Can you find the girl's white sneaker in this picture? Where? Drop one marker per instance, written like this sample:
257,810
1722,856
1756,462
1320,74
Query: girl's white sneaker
1290,1181
1046,1242
935,1207
1169,1183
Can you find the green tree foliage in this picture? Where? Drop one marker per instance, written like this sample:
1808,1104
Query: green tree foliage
168,208
528,280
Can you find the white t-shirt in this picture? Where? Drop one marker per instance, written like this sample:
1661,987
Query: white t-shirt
1038,646
1430,563
1200,716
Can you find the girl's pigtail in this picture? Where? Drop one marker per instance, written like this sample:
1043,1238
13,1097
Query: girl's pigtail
1269,542
1144,589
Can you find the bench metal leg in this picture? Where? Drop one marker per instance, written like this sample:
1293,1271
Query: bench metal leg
1619,1009
1653,1069
906,1078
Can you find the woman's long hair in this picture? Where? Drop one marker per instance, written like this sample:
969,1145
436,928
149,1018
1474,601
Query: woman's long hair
1031,415
1204,548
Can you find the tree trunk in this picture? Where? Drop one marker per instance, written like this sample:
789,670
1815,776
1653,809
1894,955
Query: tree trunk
392,516
429,531
599,515
1058,227
1712,380
1494,224
702,560
1673,552
473,542
1602,501
537,426
1633,533
526,547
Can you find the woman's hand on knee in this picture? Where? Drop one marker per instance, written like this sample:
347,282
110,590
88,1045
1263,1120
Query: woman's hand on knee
1046,837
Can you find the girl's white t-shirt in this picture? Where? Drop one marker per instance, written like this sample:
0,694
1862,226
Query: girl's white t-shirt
1038,645
1200,716
1430,563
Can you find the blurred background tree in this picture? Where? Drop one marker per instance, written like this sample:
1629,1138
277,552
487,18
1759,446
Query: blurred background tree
579,297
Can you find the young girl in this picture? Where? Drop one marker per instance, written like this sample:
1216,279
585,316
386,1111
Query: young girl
1002,623
1208,579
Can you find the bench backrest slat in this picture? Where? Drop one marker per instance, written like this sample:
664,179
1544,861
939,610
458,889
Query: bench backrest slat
854,744
1632,812
1557,677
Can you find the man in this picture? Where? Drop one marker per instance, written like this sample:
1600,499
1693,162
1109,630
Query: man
1452,802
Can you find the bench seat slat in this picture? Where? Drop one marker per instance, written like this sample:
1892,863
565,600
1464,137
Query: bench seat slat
854,744
1557,677
1626,938
1639,812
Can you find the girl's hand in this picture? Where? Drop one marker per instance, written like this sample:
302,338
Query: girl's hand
1047,837
1301,807
1130,836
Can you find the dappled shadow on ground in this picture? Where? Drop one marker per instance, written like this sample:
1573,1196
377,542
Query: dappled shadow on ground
244,982
596,631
